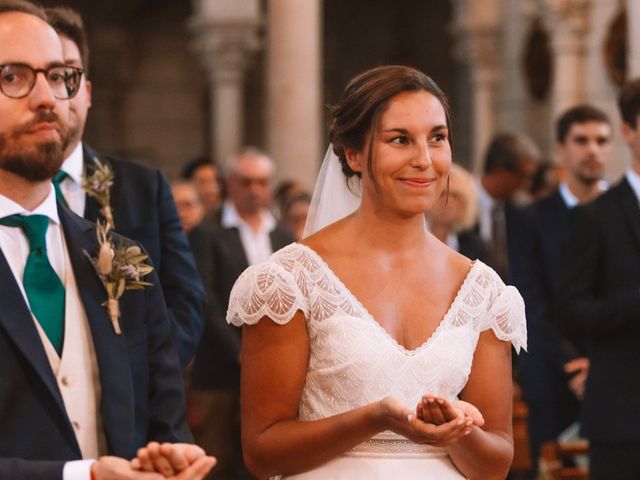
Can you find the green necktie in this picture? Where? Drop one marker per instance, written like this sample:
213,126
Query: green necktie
41,283
57,180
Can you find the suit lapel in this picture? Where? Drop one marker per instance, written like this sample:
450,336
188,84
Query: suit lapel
234,243
92,207
279,239
630,207
111,352
559,215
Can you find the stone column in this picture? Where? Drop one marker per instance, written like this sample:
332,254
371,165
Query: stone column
226,34
478,31
633,26
294,88
569,24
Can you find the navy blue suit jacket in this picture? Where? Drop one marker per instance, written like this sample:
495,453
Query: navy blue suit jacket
141,383
537,277
144,210
515,219
600,301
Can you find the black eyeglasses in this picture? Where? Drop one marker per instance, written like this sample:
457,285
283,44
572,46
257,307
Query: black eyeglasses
17,80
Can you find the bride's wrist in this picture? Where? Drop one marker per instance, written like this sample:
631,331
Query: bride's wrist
379,416
388,414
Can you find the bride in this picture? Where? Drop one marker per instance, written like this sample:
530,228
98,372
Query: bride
371,350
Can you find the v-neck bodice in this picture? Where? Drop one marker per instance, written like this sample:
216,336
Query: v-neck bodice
353,360
372,319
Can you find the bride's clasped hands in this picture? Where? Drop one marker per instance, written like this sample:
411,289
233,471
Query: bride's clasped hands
435,421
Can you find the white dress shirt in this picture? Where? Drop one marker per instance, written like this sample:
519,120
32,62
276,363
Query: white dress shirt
634,180
486,204
71,187
257,244
15,245
76,371
570,200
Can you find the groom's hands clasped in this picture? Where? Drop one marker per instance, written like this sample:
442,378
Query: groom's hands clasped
192,463
179,461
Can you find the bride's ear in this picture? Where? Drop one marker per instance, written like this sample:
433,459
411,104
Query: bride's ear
355,159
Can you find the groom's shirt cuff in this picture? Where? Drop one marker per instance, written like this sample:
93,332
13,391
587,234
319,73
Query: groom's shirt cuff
77,470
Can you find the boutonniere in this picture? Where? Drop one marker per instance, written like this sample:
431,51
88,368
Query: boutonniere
98,185
120,268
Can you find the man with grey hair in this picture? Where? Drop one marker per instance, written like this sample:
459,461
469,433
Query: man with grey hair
247,234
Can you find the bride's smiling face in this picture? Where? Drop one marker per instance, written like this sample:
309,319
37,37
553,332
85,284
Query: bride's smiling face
411,154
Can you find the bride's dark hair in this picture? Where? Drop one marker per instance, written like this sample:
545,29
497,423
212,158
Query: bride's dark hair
363,101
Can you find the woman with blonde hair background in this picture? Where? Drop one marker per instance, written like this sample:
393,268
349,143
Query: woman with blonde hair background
451,220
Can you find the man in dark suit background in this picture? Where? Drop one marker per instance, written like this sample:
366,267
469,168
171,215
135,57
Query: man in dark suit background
508,166
245,234
72,388
141,202
583,148
600,302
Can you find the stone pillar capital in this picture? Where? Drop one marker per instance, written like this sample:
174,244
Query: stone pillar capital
478,33
570,22
479,46
226,47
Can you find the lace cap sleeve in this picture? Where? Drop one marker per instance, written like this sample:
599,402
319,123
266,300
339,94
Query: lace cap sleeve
507,315
265,290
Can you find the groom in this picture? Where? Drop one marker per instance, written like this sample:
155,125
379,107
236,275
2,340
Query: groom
71,387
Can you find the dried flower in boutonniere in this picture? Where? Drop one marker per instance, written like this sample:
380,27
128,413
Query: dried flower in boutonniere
98,185
120,268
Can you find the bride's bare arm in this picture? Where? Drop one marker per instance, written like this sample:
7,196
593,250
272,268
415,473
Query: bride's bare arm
486,453
274,367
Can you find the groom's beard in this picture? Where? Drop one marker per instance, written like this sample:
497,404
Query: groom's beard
33,161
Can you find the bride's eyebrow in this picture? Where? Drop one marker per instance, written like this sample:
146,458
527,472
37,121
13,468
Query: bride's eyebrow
404,131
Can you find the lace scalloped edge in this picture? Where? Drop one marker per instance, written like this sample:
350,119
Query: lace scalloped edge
247,290
238,319
509,308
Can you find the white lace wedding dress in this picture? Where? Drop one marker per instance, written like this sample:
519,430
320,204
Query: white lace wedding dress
353,360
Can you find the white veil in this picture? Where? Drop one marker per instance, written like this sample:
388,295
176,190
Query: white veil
333,196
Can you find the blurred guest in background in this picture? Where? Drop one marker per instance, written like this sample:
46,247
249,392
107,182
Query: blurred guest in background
284,192
246,234
456,213
600,301
207,179
188,203
583,148
138,201
294,214
545,179
508,166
